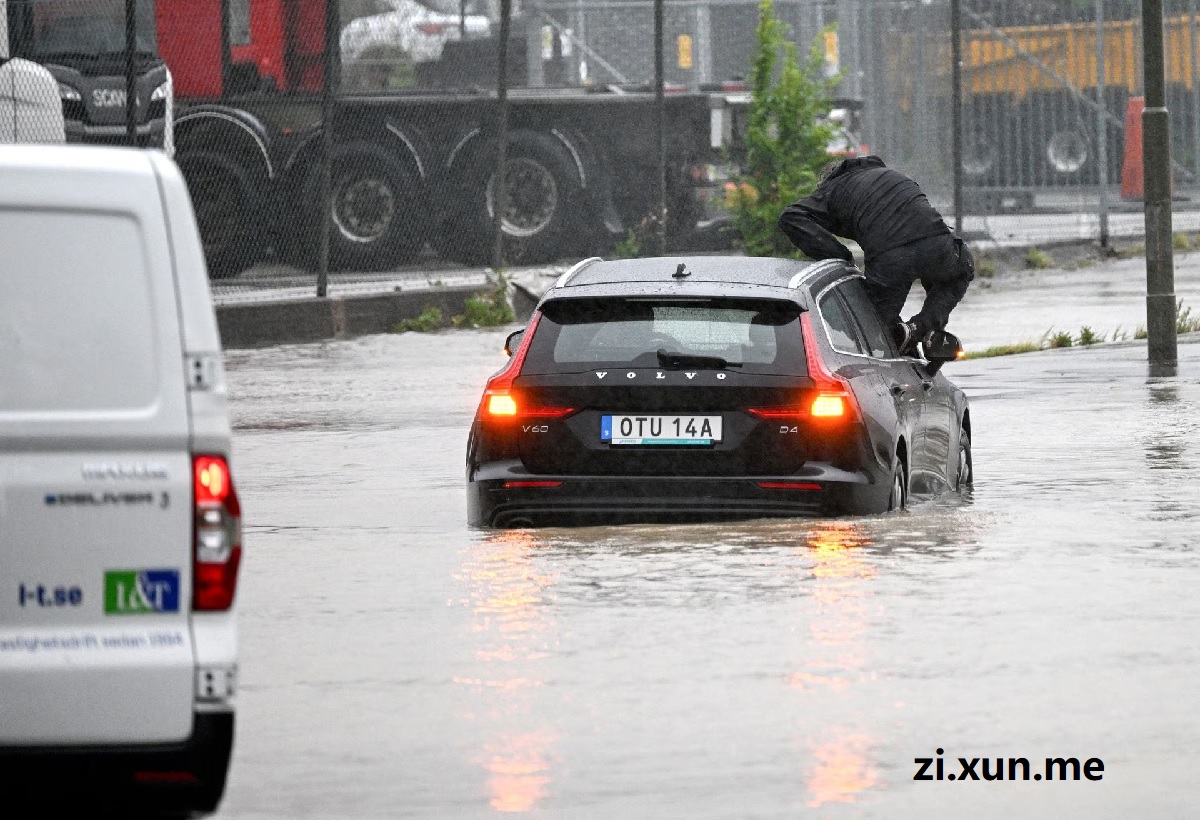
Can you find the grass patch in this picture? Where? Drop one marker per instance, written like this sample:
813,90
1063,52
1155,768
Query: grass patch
487,309
1005,350
1140,332
429,320
1060,339
1087,336
1182,241
1184,321
1133,250
1037,259
985,266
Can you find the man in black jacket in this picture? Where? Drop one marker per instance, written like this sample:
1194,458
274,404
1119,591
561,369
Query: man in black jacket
903,239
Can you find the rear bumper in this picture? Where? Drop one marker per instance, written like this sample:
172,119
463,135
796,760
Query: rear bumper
183,777
619,499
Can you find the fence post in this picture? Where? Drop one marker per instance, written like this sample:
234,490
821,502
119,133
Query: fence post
660,127
1102,125
333,26
500,195
1194,66
131,100
956,122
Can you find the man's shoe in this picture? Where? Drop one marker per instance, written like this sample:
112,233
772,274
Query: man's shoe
906,337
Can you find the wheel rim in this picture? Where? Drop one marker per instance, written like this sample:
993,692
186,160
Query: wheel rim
896,502
979,155
363,208
965,479
1067,151
531,197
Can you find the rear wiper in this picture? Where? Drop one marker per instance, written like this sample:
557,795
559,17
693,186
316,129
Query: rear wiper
678,361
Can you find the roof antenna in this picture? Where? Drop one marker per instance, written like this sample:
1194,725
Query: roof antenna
681,271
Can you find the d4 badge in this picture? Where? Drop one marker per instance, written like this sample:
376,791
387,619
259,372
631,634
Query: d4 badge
141,592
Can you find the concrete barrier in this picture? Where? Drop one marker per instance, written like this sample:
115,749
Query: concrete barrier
340,317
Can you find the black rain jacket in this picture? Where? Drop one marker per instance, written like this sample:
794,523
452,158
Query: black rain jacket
864,200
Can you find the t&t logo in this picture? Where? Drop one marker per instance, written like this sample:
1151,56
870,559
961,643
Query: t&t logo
141,592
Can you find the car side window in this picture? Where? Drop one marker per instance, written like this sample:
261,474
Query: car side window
842,331
878,339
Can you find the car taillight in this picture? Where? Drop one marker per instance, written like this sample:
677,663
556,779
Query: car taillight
217,540
432,28
502,403
831,399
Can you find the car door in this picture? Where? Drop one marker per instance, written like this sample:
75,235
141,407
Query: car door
903,378
882,413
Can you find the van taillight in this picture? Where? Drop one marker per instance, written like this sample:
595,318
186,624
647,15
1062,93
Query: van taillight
217,540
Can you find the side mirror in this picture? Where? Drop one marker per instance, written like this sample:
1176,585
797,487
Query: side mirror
942,347
513,341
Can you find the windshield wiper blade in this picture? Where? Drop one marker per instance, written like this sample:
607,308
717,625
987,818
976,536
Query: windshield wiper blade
678,361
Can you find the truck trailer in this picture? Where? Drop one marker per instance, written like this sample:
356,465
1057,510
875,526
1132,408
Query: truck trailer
412,168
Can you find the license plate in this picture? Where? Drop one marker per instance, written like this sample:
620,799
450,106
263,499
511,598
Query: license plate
669,430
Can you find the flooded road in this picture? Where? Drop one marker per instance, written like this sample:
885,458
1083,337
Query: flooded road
397,664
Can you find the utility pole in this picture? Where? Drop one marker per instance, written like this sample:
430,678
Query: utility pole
1156,166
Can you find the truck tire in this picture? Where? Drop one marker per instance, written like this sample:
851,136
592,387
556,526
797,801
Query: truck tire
226,211
543,202
377,208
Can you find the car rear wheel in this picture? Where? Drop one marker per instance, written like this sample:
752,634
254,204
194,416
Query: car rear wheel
965,476
898,499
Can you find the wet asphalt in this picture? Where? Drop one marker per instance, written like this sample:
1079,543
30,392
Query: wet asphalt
397,664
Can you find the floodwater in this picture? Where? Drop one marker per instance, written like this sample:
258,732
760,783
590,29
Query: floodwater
397,664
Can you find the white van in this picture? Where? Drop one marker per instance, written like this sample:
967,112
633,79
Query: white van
120,530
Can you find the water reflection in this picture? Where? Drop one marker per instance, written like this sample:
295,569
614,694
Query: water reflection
835,655
841,768
512,635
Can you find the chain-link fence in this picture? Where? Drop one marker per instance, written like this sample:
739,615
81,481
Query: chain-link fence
239,91
1047,95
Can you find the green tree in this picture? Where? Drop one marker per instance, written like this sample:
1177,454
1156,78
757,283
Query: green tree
787,133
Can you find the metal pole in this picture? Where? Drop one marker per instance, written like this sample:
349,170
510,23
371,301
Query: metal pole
956,108
500,194
1156,165
1101,125
328,101
131,100
661,126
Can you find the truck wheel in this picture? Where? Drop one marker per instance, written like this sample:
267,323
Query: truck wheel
544,193
226,212
377,208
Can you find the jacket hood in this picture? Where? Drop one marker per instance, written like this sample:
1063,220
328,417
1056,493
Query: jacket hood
855,164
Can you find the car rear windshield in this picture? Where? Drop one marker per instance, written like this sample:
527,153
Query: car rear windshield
751,335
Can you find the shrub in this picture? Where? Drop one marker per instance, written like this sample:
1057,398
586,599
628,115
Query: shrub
1087,336
429,321
787,134
1060,339
985,266
1037,258
487,309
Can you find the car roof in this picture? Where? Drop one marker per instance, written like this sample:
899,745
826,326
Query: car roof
721,276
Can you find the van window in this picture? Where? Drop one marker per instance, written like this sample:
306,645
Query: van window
758,335
76,324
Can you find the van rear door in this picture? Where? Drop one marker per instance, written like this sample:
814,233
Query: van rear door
95,473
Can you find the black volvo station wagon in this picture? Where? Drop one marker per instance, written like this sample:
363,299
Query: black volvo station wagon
711,388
